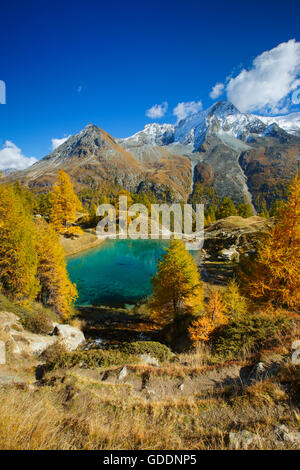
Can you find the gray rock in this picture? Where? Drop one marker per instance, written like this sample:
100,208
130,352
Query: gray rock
258,371
260,367
296,357
283,434
8,319
243,439
296,344
147,359
149,394
23,341
123,373
228,254
30,342
7,379
2,353
71,337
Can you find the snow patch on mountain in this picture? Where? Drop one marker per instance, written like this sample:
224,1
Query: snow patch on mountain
289,122
160,134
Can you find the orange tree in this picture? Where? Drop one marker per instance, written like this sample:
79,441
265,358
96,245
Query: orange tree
214,317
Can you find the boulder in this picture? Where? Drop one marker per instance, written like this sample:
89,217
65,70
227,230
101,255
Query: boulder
147,359
7,379
2,353
296,344
8,319
283,434
26,342
243,439
296,357
123,373
70,336
228,254
22,341
19,340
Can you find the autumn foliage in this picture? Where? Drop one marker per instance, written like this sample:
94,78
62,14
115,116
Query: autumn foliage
56,291
214,317
18,257
177,288
64,205
274,275
32,261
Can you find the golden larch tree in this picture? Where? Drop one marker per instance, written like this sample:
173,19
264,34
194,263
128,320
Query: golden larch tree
177,288
18,257
64,205
274,275
234,301
214,317
57,291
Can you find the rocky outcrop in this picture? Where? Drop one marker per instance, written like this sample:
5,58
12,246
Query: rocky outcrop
17,340
227,238
70,336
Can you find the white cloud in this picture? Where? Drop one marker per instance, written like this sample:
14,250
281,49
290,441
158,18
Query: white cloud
217,90
185,109
157,111
11,157
265,87
57,142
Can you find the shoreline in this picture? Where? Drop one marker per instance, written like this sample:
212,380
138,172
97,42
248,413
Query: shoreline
82,243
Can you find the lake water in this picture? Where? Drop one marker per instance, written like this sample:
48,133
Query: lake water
117,272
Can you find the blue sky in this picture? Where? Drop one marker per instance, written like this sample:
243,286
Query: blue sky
68,63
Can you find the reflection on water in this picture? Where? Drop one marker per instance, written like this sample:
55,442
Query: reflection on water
116,273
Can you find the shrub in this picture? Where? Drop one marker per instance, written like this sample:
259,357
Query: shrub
34,317
38,321
157,350
251,333
289,375
54,353
91,359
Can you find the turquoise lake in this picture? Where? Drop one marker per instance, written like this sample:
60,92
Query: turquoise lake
117,272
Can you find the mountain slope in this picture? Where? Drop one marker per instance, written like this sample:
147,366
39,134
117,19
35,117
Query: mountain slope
221,142
93,157
241,155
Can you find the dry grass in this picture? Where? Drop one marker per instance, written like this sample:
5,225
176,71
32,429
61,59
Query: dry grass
92,409
80,411
77,323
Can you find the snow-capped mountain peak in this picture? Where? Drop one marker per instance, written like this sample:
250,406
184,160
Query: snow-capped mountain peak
160,134
222,118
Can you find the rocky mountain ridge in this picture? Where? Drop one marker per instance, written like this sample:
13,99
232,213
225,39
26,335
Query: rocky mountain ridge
244,156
